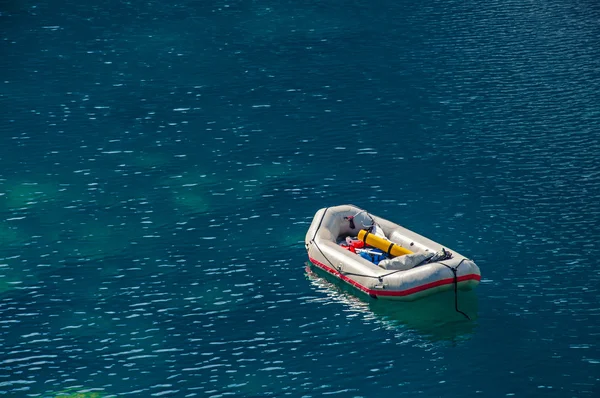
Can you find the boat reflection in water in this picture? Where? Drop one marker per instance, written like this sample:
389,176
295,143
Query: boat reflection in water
433,318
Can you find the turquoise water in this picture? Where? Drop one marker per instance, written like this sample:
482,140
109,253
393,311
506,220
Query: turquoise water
161,161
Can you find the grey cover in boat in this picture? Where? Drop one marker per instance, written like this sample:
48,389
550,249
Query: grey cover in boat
407,261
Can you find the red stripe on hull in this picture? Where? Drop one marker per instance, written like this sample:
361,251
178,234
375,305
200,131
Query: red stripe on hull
397,293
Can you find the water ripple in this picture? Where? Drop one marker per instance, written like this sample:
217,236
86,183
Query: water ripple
161,163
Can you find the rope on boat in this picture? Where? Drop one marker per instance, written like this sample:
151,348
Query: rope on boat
313,241
338,269
454,271
319,226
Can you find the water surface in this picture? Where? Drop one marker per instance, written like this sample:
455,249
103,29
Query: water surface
160,163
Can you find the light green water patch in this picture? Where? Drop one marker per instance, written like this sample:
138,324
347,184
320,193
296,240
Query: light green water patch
12,277
10,234
191,192
7,284
50,220
18,195
96,239
192,201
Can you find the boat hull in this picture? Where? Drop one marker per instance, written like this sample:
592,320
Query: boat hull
465,283
409,285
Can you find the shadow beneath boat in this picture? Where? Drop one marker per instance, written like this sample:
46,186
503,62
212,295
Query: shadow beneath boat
433,318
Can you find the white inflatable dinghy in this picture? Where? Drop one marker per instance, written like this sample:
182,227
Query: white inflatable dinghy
383,259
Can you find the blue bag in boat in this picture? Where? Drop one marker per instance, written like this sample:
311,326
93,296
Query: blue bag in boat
373,255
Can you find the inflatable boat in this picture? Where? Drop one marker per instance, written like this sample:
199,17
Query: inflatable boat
382,259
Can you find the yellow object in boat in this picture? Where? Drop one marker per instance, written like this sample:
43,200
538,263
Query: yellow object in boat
383,244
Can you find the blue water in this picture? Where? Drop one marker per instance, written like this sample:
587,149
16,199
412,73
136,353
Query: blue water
160,162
